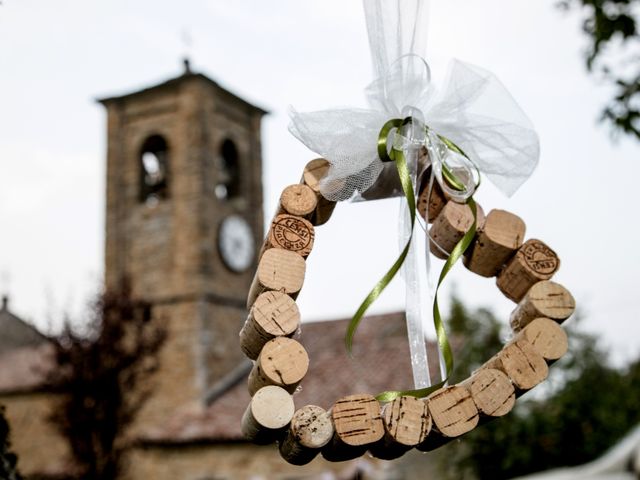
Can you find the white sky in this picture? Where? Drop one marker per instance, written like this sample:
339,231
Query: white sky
56,57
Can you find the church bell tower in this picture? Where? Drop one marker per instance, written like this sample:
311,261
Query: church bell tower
184,222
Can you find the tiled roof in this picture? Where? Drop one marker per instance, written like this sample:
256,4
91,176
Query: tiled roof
15,332
25,369
173,82
380,362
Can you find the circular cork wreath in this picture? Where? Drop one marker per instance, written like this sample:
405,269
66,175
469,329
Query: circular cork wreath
359,423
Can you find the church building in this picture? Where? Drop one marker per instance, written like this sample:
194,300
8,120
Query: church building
184,224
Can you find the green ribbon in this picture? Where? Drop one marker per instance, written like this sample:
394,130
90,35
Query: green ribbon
441,334
397,156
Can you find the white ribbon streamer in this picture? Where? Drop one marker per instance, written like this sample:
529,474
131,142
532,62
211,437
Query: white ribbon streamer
413,292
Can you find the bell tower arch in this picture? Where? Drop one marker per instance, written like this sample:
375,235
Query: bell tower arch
184,222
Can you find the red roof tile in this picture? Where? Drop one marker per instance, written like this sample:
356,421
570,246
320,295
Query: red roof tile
380,362
25,369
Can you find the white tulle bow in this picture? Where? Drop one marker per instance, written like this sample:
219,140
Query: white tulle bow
471,110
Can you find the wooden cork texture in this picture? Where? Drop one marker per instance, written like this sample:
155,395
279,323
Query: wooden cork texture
406,423
358,425
544,299
450,225
432,201
274,314
355,424
453,411
406,420
298,200
312,427
313,173
533,262
357,419
546,337
269,412
292,233
282,362
280,270
501,236
524,366
310,430
492,392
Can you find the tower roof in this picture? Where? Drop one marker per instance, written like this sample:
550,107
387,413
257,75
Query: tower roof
173,82
16,333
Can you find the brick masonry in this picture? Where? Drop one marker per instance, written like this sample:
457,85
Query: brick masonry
169,250
40,447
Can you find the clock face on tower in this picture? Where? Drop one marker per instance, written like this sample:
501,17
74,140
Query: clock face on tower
236,243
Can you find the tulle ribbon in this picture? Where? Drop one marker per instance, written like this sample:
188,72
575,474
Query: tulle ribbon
397,153
471,122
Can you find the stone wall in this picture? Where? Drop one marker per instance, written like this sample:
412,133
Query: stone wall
177,382
169,249
195,354
39,446
242,461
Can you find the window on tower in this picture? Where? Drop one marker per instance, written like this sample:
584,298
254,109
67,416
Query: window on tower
154,159
228,185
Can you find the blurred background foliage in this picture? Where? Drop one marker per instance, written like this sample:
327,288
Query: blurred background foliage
583,408
613,55
8,460
105,371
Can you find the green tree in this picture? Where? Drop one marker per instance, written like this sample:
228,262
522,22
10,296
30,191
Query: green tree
586,407
481,332
8,460
612,29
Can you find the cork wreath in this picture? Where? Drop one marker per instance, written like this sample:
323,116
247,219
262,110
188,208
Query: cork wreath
359,423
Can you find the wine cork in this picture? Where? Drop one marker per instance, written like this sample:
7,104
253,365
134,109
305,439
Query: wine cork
492,392
282,362
357,419
450,225
292,233
501,236
524,366
544,299
298,200
407,423
386,185
432,201
274,314
269,412
533,263
453,413
313,173
358,424
280,270
546,337
310,430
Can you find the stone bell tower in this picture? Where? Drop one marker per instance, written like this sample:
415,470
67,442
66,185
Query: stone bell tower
184,221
